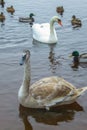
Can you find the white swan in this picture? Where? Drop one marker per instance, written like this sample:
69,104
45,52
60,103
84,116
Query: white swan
47,92
45,32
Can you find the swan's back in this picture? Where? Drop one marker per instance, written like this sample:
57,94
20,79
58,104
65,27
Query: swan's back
41,31
51,90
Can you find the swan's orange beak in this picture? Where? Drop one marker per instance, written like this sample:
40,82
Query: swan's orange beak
60,23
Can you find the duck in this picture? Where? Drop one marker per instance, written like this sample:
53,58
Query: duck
75,21
79,57
2,17
46,92
45,32
60,10
2,3
10,9
29,19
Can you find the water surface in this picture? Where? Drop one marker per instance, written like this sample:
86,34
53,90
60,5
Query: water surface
46,60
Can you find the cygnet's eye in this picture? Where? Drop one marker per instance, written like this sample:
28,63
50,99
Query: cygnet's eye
24,56
23,59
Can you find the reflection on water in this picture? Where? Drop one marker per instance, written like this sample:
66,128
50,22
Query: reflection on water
2,23
46,60
54,116
83,65
54,62
76,27
75,65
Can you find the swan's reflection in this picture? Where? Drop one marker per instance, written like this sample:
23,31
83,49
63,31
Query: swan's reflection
53,59
63,113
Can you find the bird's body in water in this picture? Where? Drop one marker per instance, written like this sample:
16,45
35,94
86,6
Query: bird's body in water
47,92
78,59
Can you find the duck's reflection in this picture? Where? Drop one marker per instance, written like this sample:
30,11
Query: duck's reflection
76,65
63,113
53,59
2,23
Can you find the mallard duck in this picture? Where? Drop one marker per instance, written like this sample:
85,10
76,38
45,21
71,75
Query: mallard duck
79,57
45,32
46,92
29,19
60,10
10,9
2,17
75,21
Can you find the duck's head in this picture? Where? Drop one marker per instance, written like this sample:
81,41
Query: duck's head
57,19
73,17
25,57
1,13
11,6
75,53
75,59
31,15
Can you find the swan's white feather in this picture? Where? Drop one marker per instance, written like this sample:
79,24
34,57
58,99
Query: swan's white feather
41,32
45,32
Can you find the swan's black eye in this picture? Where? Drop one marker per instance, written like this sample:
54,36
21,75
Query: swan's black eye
59,20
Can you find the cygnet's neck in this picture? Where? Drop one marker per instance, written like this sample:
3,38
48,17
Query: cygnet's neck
27,76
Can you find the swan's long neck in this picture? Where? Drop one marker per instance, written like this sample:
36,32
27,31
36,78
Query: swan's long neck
51,26
26,79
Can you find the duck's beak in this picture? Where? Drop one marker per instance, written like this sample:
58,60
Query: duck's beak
70,55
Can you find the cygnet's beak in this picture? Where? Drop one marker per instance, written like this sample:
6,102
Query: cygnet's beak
22,60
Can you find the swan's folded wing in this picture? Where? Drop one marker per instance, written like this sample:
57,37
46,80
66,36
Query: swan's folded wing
41,29
45,91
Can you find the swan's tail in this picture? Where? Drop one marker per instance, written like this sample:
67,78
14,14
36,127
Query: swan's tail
81,91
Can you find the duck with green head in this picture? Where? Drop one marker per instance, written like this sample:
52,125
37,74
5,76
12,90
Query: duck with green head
76,56
79,58
29,19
